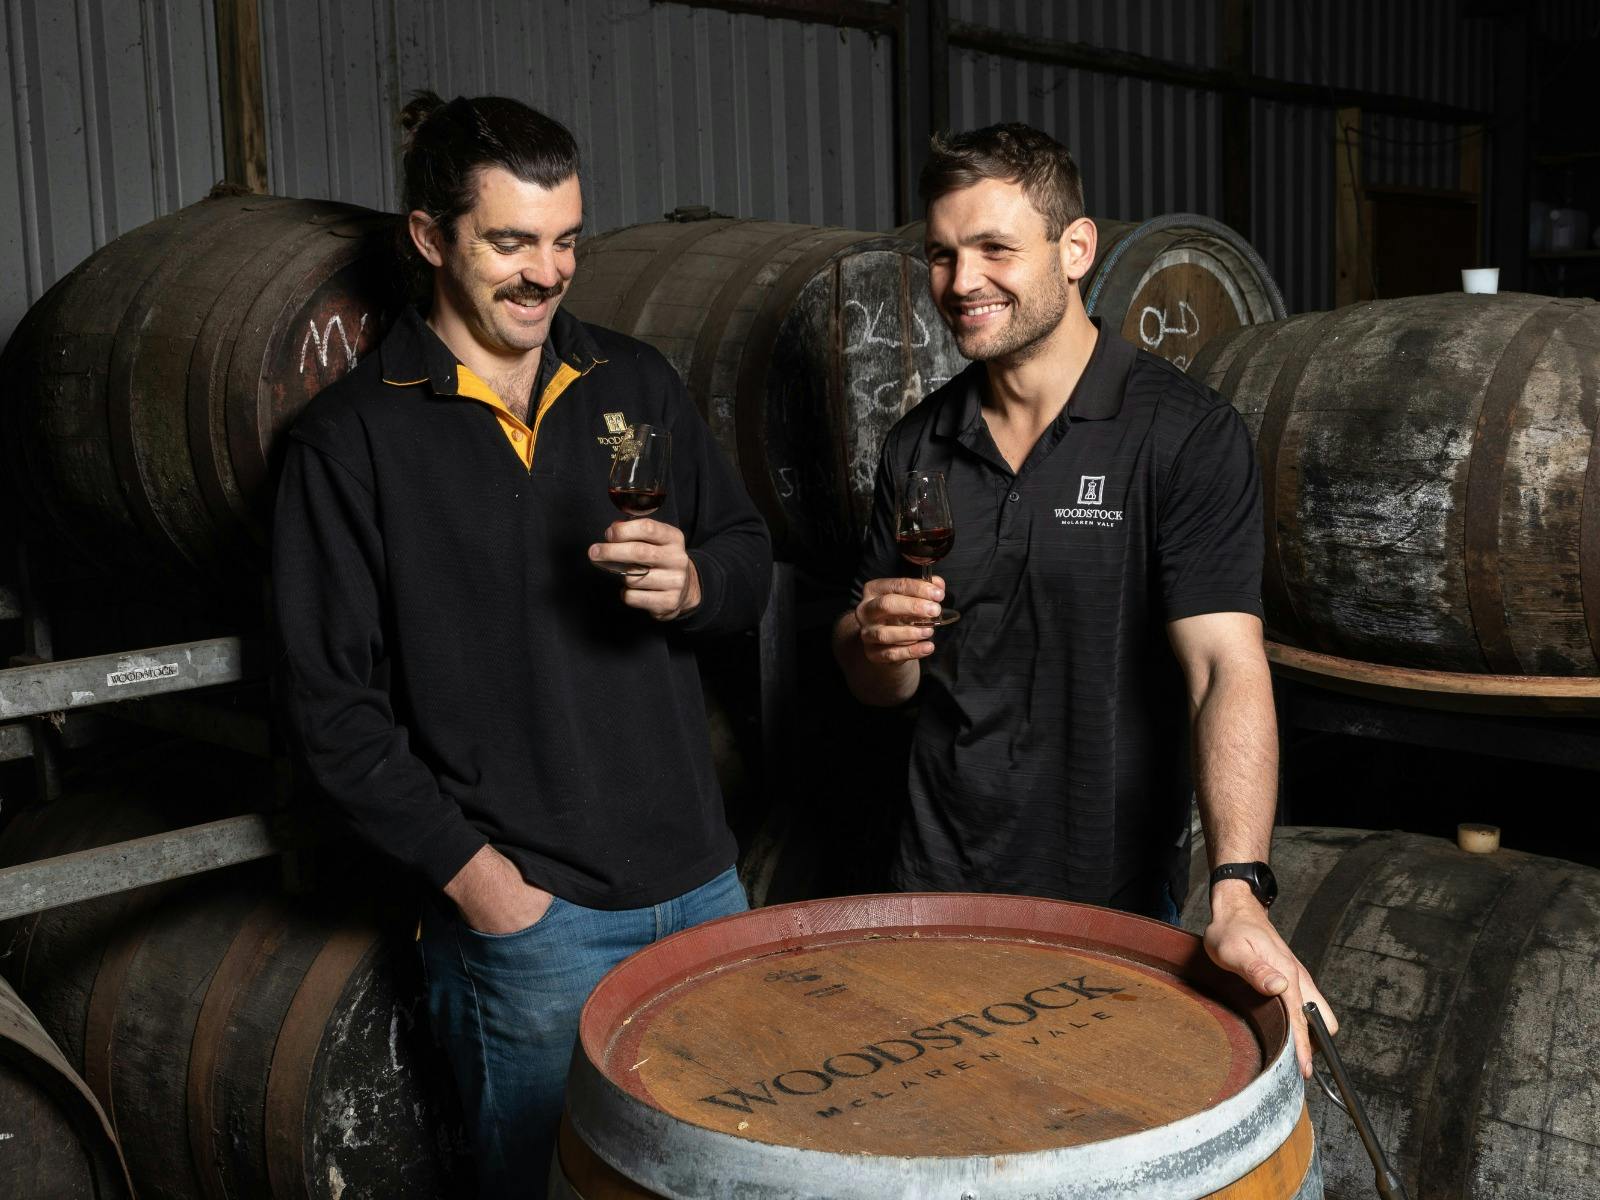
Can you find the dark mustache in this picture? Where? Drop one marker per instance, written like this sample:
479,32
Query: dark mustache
528,293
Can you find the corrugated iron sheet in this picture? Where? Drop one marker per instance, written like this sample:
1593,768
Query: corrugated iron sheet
1176,30
671,105
1293,152
113,121
1144,148
1149,148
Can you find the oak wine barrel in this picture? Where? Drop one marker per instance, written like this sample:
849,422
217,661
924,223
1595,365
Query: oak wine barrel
801,345
141,396
932,1046
1431,476
1172,283
55,1141
1466,987
240,1041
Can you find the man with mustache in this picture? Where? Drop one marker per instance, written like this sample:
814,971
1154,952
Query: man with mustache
522,730
1107,569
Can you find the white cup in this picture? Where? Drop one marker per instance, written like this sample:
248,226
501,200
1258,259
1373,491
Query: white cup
1481,280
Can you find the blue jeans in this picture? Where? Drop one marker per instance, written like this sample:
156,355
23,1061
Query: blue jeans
1170,910
505,1009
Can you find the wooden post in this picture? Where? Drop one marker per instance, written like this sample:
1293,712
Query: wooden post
244,105
1238,21
1352,255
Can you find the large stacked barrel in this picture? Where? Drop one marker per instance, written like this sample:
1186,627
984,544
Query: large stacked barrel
1466,986
1431,471
56,1140
141,398
238,1041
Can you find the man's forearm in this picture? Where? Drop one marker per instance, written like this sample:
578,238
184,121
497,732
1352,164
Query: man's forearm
1236,762
883,684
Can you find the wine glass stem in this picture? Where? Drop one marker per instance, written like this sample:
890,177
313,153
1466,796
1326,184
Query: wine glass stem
927,572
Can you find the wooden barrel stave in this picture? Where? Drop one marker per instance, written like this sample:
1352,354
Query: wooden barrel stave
57,1143
1465,986
149,422
1424,464
56,368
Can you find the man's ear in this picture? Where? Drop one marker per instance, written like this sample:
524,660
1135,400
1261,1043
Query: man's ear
1079,241
426,236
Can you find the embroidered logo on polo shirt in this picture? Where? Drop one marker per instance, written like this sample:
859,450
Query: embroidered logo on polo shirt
1091,508
616,427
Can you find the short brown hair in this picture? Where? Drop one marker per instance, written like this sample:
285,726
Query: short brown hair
1011,153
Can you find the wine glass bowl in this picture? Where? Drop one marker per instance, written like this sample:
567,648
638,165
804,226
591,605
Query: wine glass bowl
924,530
638,480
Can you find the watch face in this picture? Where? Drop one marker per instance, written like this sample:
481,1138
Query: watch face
1265,884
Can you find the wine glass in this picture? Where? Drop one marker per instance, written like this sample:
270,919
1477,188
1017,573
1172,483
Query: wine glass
924,531
638,483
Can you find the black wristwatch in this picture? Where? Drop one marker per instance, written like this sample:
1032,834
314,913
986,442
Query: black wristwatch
1257,874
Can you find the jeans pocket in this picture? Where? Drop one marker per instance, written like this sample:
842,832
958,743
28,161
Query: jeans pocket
527,931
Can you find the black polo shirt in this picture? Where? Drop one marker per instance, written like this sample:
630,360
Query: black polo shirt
1050,755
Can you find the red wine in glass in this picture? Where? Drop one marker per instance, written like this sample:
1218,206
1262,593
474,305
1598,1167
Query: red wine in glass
638,482
924,530
637,501
925,547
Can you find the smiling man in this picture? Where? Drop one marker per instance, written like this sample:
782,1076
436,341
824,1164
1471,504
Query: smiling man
523,731
1107,568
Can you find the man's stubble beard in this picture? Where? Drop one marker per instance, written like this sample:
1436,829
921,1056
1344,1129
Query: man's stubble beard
1034,319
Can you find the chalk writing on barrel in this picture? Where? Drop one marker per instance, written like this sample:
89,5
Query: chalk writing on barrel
1188,326
870,336
324,341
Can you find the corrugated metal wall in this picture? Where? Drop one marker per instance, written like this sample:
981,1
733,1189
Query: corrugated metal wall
671,105
113,111
1423,49
1148,148
113,120
1144,148
1566,19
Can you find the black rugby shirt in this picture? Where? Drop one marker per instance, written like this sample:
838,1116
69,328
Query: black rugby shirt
1050,755
456,671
